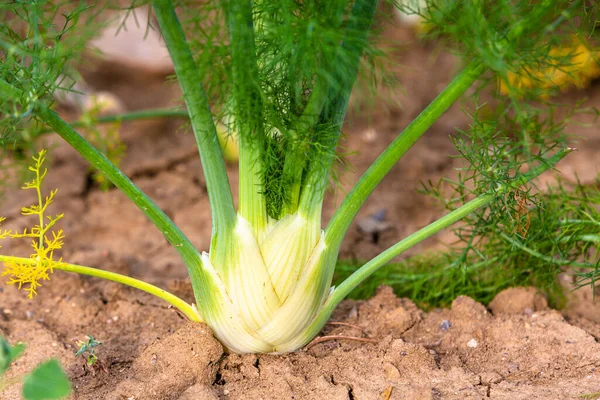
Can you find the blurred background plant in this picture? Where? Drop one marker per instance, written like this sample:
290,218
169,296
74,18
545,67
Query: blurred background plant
46,382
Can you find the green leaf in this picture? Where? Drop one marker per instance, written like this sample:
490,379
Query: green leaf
16,351
8,354
46,382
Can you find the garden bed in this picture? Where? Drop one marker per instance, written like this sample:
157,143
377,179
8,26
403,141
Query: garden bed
521,349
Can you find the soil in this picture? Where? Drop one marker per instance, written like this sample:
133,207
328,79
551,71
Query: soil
516,348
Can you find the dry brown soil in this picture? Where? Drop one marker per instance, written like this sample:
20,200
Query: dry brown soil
516,348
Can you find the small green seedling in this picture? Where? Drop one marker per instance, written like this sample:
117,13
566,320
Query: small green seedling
46,382
88,352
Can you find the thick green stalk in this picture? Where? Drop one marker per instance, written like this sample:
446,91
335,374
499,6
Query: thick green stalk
213,165
186,249
293,166
343,217
372,266
336,104
178,303
249,113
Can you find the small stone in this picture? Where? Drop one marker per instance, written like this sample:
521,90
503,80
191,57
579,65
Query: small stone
472,343
353,314
391,372
513,367
490,378
7,311
445,325
374,225
370,135
29,314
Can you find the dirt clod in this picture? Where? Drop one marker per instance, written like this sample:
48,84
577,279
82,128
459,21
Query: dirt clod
169,367
518,300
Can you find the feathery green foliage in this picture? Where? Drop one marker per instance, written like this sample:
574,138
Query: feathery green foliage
39,44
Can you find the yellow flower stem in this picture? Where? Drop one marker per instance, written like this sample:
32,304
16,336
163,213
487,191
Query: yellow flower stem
186,309
40,202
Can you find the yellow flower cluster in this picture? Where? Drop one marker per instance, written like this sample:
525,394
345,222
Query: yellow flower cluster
576,65
45,241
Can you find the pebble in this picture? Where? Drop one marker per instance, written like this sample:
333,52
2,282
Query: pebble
391,372
445,325
472,343
353,314
370,135
490,378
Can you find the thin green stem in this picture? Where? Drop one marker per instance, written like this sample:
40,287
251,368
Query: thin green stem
130,116
382,259
369,268
8,91
249,112
343,217
589,238
41,213
541,256
186,249
213,164
186,309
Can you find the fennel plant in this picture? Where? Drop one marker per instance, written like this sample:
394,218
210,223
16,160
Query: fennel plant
280,74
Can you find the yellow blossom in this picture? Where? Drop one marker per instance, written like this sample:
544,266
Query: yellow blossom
45,241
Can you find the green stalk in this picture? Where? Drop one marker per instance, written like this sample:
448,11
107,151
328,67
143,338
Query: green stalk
249,112
293,166
343,217
537,254
213,164
352,203
130,116
186,309
336,104
8,91
447,220
186,249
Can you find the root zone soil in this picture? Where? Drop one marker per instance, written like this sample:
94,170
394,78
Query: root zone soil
516,348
